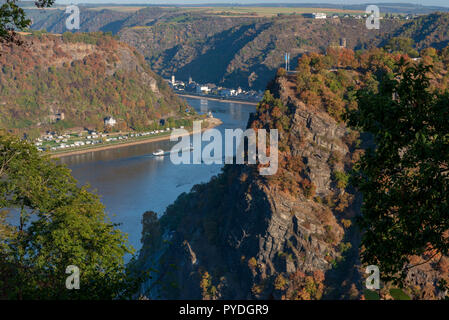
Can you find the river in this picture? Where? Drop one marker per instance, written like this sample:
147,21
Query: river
130,180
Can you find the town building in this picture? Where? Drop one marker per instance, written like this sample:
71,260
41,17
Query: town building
203,89
319,15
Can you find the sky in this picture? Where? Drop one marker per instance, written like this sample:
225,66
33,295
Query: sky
444,3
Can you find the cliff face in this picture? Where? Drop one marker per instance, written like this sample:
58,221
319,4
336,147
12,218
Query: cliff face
244,236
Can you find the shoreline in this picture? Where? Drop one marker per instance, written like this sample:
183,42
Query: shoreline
212,124
216,99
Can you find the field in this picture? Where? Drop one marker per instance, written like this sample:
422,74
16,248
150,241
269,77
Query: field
241,11
118,8
269,11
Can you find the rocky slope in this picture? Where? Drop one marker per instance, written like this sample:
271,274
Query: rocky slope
427,31
290,235
243,52
228,50
243,236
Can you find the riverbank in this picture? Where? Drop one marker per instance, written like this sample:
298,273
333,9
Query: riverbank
193,96
212,123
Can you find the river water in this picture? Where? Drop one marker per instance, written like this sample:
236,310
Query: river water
130,180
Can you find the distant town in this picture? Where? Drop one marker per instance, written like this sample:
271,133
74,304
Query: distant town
322,15
214,91
57,143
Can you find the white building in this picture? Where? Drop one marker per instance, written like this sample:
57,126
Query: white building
110,121
202,89
319,15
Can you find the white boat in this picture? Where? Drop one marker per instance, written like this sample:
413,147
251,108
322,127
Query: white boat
158,153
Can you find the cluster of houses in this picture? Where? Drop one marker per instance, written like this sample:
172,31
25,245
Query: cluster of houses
322,16
54,141
213,90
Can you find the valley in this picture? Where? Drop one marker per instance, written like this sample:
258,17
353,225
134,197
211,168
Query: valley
243,51
359,147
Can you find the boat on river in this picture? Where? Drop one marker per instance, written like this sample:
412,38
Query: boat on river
161,153
158,153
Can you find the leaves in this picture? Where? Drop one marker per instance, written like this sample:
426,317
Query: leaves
404,178
12,18
60,224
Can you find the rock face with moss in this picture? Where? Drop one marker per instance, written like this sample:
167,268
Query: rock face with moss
246,236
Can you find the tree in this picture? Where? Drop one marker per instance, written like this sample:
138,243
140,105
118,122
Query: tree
402,45
12,18
404,179
58,224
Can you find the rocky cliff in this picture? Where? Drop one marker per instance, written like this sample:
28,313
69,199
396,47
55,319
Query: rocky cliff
245,236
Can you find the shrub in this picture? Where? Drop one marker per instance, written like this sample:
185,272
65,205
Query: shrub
252,263
341,179
280,283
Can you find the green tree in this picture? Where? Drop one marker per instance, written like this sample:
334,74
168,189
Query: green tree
13,17
404,179
59,224
341,179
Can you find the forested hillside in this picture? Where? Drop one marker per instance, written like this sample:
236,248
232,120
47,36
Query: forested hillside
246,54
241,50
84,76
427,31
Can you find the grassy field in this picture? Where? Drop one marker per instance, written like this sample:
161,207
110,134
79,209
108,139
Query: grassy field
118,8
241,11
270,11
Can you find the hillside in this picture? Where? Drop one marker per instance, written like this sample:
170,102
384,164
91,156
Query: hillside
90,20
242,236
230,50
233,50
246,54
84,76
247,51
291,235
427,31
